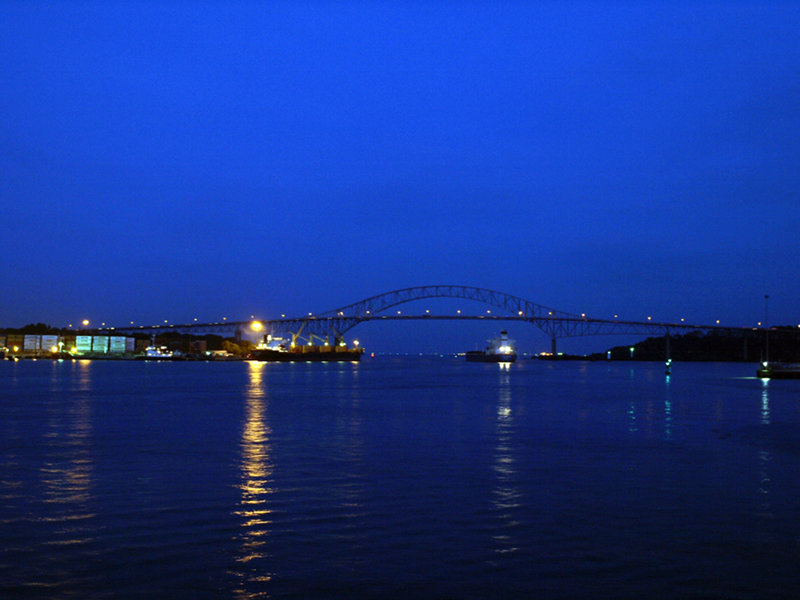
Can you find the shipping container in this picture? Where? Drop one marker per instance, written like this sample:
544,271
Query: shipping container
83,343
100,344
117,345
49,343
32,343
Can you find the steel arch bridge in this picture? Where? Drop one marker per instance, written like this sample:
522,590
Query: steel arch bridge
331,326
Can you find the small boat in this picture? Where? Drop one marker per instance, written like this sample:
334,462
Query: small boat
157,353
500,349
778,371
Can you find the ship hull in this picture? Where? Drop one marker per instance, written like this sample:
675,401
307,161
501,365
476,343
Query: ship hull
478,356
792,372
316,356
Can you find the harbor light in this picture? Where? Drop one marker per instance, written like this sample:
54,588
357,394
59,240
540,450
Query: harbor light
631,349
355,343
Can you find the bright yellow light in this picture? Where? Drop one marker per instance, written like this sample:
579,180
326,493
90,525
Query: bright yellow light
16,348
73,349
355,343
256,326
649,318
505,350
54,349
85,322
717,321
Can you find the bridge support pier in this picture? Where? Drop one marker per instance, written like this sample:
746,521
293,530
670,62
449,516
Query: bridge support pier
553,345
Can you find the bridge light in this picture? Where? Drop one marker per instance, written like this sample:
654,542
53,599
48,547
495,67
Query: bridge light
283,316
583,315
398,312
85,322
488,312
520,313
717,321
164,321
649,318
256,326
616,316
682,319
428,311
550,313
458,311
355,343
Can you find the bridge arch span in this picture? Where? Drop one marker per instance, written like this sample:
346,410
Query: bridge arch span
511,304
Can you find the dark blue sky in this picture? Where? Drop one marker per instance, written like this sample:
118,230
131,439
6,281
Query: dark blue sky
173,160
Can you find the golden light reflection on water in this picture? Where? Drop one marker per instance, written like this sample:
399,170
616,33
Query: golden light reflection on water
506,495
255,487
67,472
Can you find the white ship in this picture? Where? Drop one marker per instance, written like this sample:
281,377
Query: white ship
500,349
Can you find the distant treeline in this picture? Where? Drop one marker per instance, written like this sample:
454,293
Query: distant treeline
784,346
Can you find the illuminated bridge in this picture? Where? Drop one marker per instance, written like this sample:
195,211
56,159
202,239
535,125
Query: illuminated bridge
330,326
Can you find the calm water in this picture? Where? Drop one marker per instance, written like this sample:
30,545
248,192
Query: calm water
397,478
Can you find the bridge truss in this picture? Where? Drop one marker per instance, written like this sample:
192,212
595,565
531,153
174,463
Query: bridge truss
331,326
